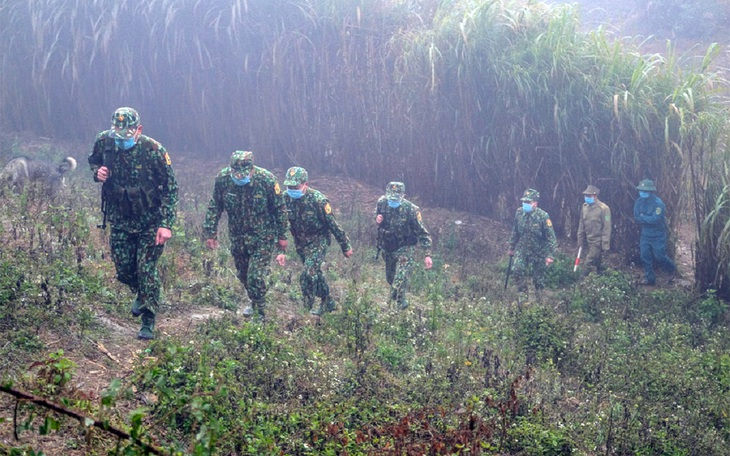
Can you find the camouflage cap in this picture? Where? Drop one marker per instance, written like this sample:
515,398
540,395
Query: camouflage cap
530,195
395,190
295,176
591,190
124,123
646,185
242,161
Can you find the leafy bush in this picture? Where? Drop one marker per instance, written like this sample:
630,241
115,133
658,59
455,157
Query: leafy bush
543,335
599,296
534,439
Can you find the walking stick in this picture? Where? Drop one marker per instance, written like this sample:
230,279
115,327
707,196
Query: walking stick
577,259
509,269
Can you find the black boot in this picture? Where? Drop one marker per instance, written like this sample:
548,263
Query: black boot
146,332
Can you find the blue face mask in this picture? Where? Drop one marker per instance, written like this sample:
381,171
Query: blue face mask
125,144
527,207
589,199
242,181
296,194
394,203
644,194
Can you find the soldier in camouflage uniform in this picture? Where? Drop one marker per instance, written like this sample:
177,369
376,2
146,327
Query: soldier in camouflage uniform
594,229
400,229
257,222
533,245
312,220
140,194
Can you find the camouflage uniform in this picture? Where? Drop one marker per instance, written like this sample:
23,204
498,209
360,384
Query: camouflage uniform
398,234
141,196
532,241
312,220
256,221
594,230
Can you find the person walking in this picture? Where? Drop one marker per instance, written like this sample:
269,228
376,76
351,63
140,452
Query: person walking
532,244
594,230
257,223
139,196
400,229
311,221
650,213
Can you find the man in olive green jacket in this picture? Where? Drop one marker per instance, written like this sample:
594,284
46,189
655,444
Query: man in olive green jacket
594,230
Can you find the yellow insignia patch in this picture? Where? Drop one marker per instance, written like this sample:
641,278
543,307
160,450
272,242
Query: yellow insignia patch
277,189
658,211
549,223
327,208
418,216
167,159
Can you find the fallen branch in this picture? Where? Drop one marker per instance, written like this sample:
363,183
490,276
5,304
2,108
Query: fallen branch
84,420
103,349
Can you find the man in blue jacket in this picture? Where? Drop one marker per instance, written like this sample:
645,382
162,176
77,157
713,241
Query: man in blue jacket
649,212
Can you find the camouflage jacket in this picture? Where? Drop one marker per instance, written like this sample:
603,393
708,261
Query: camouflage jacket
401,226
256,210
595,225
311,217
533,234
141,191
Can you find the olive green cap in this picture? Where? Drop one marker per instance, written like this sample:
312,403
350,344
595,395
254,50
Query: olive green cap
591,190
646,185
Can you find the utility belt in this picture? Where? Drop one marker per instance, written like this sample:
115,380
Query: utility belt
133,201
392,241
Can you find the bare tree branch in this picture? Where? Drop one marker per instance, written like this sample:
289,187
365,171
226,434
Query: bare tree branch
84,420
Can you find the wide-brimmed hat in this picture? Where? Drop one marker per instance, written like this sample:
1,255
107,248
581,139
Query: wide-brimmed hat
646,185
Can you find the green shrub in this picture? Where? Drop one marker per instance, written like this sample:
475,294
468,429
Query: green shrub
533,439
542,334
599,296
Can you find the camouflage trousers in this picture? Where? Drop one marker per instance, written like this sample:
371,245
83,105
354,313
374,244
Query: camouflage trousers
135,257
253,263
398,267
311,280
525,265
